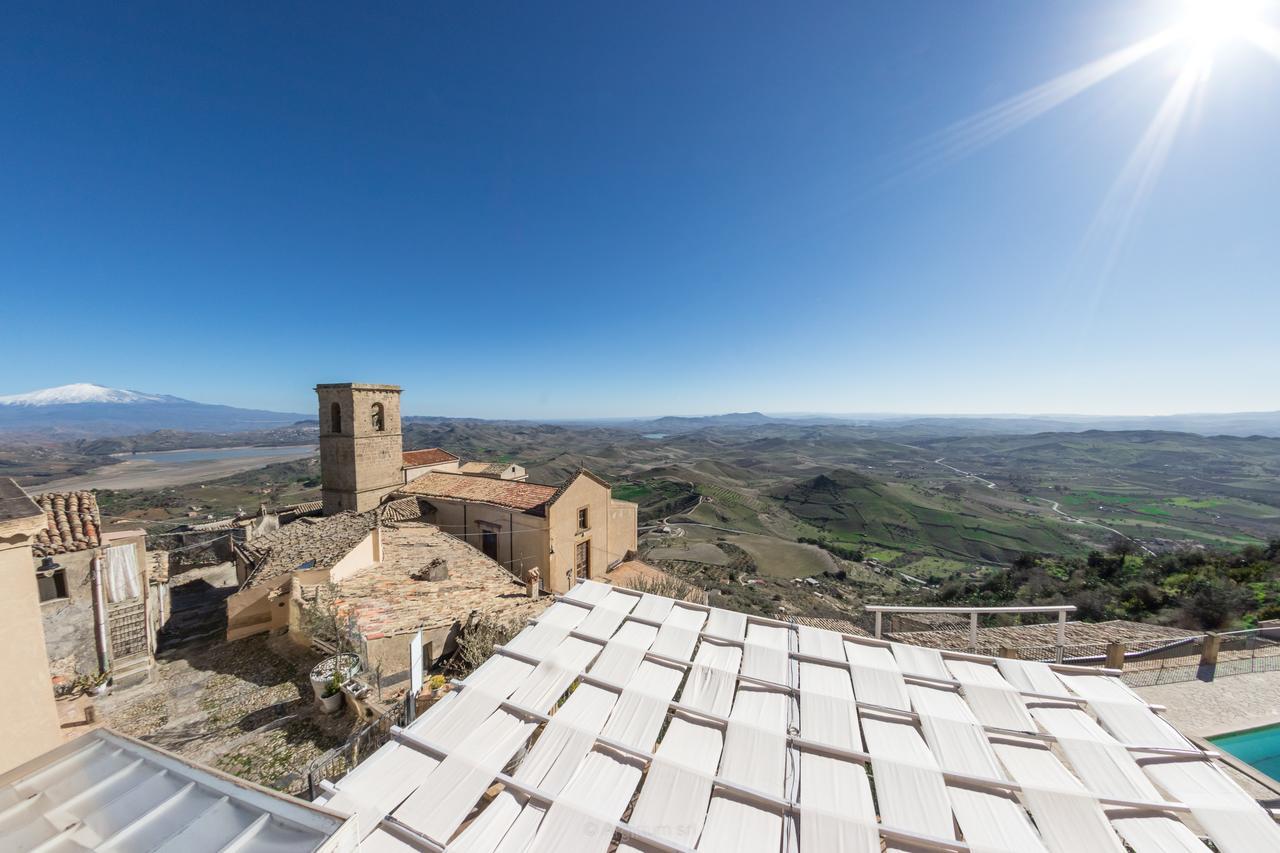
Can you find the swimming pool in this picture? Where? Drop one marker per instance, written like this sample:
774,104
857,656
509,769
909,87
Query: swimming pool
1259,748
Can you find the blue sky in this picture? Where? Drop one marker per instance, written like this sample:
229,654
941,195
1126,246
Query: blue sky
603,209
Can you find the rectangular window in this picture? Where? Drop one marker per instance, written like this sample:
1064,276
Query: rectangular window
52,584
583,519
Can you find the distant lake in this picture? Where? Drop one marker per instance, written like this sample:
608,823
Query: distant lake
211,454
155,468
654,435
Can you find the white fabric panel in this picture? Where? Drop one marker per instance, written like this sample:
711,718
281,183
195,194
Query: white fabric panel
876,676
1067,815
122,573
995,702
837,812
729,624
589,592
444,798
606,616
990,821
1101,762
909,786
764,654
679,632
673,801
582,818
917,660
711,681
624,652
755,755
653,607
1232,818
820,643
565,741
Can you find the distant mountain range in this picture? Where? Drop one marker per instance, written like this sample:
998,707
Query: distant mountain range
1235,423
84,409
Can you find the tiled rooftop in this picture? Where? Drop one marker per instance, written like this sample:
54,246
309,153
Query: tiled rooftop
388,601
840,626
525,497
14,502
73,523
1083,639
483,468
429,456
322,540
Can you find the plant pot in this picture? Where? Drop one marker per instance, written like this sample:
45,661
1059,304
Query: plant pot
347,664
332,704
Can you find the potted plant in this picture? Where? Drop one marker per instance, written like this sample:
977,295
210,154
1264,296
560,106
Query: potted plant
344,666
96,684
331,698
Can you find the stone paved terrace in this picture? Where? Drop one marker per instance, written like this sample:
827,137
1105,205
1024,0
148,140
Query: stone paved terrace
1200,709
388,600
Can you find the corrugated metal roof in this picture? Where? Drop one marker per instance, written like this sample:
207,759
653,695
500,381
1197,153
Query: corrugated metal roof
688,726
104,791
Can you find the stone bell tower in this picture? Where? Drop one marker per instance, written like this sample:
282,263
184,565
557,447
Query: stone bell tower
360,444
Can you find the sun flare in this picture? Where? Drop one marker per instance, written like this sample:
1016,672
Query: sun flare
1209,24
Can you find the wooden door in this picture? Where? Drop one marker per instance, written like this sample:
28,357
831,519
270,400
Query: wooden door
582,560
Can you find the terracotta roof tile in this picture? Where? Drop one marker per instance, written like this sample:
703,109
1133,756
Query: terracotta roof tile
322,541
429,456
73,523
493,468
512,494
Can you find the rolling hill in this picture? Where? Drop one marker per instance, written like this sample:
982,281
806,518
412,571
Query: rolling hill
853,508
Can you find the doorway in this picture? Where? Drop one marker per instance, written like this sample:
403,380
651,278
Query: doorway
582,560
489,544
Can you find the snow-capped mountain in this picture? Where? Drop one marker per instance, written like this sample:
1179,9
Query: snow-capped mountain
80,392
85,409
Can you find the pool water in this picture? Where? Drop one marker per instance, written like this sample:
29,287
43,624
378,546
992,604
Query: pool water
1259,748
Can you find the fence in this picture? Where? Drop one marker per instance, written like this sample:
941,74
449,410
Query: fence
951,614
340,761
1208,657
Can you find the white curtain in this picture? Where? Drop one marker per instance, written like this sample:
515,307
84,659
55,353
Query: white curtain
122,573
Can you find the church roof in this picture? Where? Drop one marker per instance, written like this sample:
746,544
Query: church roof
512,494
429,456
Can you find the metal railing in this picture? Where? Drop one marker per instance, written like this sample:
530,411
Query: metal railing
341,760
973,613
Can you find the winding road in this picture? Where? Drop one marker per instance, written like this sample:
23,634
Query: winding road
1053,505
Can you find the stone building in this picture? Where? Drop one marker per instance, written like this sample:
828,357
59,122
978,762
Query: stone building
570,532
102,600
385,573
361,457
565,533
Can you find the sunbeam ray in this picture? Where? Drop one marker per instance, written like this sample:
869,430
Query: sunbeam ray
964,137
1110,228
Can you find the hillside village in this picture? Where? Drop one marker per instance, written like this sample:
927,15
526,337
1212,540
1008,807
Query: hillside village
316,636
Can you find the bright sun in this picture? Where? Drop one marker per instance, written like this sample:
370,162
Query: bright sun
1206,24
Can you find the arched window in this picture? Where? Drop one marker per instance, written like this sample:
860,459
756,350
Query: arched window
378,423
335,418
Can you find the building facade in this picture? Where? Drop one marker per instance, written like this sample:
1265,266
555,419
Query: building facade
102,599
360,445
29,723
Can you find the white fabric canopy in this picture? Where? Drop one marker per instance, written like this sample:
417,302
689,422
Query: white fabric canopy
723,732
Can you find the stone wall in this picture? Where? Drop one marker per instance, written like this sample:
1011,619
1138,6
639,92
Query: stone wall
70,627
